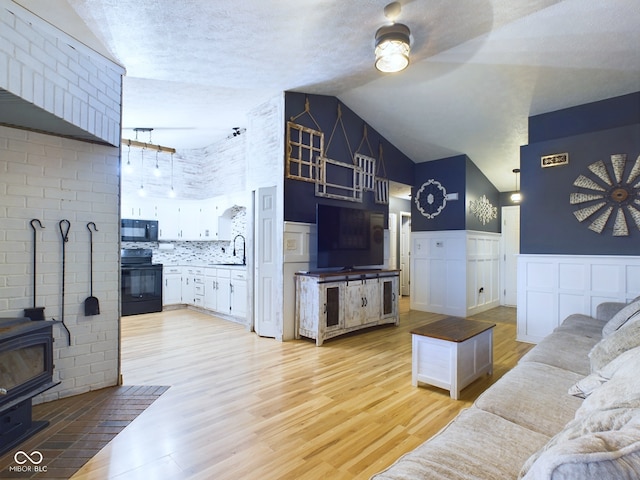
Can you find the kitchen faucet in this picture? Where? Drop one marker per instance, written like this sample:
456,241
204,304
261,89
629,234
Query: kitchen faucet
244,255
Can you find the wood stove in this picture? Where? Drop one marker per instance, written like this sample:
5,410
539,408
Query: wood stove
26,370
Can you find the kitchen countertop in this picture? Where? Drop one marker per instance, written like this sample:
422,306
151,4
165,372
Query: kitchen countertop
205,265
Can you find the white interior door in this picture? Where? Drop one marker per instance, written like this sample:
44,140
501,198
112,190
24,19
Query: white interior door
405,253
393,240
266,269
510,249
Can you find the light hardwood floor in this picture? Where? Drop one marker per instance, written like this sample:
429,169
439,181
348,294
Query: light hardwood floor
245,407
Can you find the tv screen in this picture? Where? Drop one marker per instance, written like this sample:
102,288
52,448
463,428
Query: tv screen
349,237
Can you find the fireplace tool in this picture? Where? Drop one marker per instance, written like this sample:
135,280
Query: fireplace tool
91,305
35,313
65,226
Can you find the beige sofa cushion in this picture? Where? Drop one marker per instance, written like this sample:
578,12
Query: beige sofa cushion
621,391
631,311
605,444
534,396
619,341
474,445
629,359
578,324
563,350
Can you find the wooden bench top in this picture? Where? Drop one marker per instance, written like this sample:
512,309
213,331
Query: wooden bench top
453,329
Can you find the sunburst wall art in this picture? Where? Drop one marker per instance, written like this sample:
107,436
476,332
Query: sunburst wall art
604,199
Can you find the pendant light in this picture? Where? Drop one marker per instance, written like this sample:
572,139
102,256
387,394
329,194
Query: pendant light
393,42
128,168
516,197
141,191
156,171
172,192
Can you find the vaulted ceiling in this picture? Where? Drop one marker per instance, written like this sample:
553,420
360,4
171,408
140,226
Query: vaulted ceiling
479,68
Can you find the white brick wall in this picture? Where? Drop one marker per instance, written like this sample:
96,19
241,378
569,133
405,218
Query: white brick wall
48,68
52,178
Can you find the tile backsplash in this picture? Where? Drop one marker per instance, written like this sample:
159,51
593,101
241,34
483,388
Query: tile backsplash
200,253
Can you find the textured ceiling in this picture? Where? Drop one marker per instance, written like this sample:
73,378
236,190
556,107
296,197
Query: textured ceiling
479,68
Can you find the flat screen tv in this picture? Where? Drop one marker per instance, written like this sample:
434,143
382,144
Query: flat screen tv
349,237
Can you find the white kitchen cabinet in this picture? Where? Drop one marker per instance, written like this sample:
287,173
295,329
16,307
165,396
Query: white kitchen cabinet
223,291
210,287
217,289
189,219
168,220
209,212
172,285
138,208
193,286
334,303
239,293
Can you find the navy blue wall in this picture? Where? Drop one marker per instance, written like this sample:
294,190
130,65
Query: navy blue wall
458,175
299,197
548,225
450,172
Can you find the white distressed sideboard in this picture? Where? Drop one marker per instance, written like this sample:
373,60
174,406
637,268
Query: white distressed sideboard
329,304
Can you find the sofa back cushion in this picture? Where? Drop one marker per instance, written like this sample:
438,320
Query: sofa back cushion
626,314
627,361
624,338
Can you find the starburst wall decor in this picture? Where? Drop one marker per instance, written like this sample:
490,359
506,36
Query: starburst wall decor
602,197
483,210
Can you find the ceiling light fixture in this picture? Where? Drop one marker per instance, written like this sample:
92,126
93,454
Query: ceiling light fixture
156,171
516,197
128,168
393,42
141,191
172,192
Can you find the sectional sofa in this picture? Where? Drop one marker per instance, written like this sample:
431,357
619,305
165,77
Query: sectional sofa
570,409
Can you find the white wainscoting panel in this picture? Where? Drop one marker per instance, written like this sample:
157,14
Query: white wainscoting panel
449,268
552,287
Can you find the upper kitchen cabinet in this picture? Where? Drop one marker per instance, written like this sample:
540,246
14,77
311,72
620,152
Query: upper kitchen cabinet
139,208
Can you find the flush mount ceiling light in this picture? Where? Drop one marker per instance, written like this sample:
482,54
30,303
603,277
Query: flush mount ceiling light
393,42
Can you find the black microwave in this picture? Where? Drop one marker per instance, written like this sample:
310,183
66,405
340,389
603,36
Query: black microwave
138,230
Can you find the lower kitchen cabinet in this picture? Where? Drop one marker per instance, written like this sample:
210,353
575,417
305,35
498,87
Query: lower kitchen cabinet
329,304
220,290
239,293
172,285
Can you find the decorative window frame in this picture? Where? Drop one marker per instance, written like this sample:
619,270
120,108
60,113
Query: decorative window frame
352,192
304,146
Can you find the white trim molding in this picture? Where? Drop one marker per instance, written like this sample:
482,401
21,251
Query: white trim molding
551,287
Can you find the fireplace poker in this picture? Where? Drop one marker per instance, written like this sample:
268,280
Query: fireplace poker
35,313
65,226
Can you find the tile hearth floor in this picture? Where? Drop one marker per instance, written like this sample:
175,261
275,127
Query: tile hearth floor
79,427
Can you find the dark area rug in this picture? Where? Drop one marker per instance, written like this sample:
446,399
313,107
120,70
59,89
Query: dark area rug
79,427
